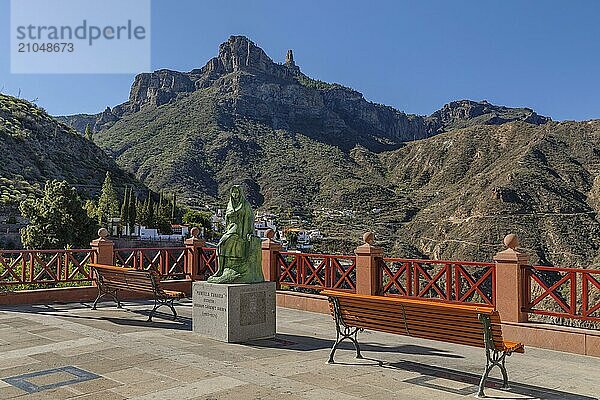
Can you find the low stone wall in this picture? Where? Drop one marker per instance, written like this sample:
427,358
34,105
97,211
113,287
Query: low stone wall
81,294
554,337
303,301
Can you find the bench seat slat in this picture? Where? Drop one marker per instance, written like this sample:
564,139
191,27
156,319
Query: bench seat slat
110,273
138,289
516,347
113,282
174,293
140,284
113,277
140,275
141,278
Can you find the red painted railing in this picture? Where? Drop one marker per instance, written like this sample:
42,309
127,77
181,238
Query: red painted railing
559,292
563,292
317,271
449,281
168,262
208,262
26,267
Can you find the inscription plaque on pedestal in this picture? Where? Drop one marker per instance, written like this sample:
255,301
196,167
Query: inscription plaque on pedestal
234,312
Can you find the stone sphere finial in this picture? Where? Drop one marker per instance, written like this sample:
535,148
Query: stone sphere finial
368,237
195,232
102,233
511,241
270,233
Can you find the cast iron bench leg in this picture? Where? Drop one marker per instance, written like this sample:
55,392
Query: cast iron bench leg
156,306
170,304
101,294
494,358
158,303
344,333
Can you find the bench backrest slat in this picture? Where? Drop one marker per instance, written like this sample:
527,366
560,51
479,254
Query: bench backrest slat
419,320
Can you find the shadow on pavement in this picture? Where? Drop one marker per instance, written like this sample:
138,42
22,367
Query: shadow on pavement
309,343
161,320
430,373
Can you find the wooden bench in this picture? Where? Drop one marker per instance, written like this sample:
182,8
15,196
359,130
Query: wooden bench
454,323
111,280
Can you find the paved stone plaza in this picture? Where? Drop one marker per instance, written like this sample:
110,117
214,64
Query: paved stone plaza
71,351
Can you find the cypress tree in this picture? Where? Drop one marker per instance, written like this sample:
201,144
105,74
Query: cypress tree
125,210
88,133
132,210
139,206
150,210
173,206
108,204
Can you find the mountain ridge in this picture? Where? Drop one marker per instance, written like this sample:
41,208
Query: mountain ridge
241,57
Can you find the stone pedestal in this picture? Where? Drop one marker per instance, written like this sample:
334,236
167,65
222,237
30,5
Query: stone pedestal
234,313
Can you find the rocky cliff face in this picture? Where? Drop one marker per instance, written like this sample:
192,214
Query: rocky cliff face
464,113
158,88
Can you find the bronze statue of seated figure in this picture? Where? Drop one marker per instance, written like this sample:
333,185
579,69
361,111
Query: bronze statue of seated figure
239,255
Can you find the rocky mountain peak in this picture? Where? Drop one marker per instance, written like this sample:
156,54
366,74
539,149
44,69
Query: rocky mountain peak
289,62
289,58
239,53
462,113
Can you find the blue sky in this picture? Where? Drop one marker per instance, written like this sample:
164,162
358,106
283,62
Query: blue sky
412,55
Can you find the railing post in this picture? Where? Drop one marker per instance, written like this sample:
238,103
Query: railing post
103,248
270,249
510,282
193,259
368,268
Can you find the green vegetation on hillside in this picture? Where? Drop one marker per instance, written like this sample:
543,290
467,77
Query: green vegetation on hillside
36,147
317,84
13,191
57,220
